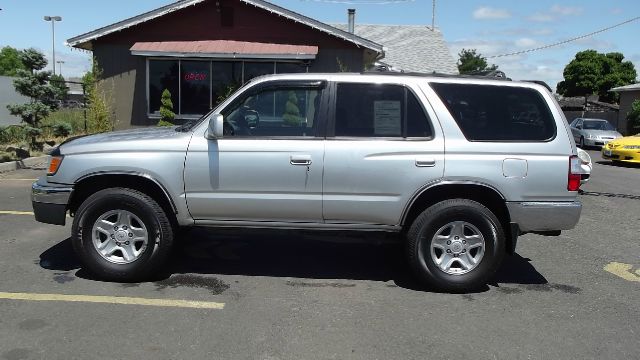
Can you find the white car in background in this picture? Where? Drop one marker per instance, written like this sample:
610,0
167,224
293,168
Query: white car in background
593,132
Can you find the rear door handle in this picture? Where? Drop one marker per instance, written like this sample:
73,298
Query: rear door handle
302,160
425,162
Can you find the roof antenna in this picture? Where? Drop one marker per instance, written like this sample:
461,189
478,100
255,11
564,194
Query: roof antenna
433,16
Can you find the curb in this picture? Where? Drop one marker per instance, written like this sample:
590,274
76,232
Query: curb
23,164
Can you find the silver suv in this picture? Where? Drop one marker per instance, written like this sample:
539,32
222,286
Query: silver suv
459,167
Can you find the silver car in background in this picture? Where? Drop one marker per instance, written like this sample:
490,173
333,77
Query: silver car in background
593,132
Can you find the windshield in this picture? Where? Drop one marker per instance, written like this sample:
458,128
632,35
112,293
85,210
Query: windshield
597,125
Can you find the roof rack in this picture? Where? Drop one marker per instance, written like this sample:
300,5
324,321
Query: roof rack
493,75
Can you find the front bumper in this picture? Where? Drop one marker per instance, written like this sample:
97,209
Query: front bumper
596,142
50,201
545,216
621,154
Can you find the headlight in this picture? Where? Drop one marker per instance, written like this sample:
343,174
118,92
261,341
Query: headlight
631,147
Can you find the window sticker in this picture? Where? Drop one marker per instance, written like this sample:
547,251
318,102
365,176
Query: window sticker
387,117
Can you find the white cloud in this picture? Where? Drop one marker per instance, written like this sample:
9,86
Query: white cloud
488,13
566,10
76,63
541,17
527,43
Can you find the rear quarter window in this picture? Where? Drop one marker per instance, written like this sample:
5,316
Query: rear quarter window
498,113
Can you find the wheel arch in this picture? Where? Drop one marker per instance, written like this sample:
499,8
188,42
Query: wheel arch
91,183
482,193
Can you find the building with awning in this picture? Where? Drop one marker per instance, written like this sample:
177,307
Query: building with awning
200,49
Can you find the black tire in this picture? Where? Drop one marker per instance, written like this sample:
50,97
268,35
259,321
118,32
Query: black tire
581,145
159,230
424,228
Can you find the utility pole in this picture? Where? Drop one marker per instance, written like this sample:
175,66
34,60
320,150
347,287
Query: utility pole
53,20
60,62
433,16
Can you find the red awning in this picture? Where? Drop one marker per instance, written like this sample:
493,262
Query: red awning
224,49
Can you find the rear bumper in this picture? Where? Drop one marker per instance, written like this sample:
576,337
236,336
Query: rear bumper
50,201
545,216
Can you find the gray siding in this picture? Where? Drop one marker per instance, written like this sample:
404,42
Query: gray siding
626,99
125,79
8,95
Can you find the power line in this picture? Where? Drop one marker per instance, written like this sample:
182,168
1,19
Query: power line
565,41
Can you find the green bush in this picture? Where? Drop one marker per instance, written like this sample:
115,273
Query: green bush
164,123
73,117
633,119
62,129
12,134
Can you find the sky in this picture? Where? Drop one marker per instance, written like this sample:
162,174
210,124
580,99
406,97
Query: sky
492,27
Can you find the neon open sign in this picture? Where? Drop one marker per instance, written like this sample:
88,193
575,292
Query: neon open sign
195,76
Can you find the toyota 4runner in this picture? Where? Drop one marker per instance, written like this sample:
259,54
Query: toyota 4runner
459,167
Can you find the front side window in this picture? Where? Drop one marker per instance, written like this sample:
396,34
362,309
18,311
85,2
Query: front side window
498,113
379,110
276,112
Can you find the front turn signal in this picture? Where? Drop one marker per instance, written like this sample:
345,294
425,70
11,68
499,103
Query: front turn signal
54,165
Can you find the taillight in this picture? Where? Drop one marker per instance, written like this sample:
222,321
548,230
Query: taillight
54,165
575,172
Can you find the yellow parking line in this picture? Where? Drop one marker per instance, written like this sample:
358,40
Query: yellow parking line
623,270
113,300
8,212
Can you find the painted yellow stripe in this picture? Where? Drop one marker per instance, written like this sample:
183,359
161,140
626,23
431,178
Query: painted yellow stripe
113,300
6,212
623,270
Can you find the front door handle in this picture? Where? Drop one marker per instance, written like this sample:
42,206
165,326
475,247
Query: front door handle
302,160
425,162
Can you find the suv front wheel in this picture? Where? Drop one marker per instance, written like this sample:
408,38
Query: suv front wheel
121,234
455,245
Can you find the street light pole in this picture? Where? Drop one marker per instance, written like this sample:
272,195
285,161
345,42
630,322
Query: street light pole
53,20
60,62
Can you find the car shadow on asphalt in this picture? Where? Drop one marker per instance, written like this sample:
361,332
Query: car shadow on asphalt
620,164
294,254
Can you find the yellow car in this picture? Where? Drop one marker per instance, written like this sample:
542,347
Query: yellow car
623,149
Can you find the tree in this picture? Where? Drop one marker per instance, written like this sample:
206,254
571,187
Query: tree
166,108
10,61
591,72
98,101
471,61
633,119
291,114
35,84
61,90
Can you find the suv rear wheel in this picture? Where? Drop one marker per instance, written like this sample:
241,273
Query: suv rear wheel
455,245
121,235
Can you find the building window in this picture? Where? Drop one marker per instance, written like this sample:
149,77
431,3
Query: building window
163,75
198,85
195,87
255,69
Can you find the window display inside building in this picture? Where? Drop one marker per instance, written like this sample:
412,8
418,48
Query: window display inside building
197,86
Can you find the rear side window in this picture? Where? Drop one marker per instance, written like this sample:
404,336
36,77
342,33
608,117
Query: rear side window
379,110
498,113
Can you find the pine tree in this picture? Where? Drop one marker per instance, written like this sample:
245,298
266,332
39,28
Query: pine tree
34,84
291,115
166,108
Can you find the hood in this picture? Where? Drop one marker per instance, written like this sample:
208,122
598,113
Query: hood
143,139
627,140
610,133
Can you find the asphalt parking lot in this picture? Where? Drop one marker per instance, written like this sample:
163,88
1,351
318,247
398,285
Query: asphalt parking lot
287,295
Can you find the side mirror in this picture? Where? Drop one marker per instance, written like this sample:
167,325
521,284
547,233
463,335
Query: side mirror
216,126
579,127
